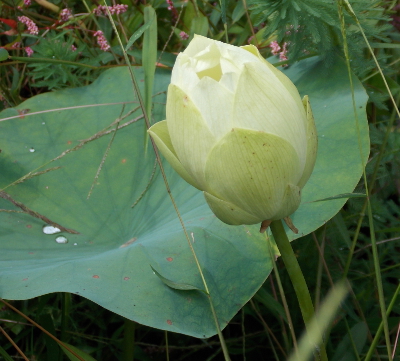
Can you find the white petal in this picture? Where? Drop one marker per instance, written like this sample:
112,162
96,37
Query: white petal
229,81
280,75
236,54
183,74
207,61
215,103
197,45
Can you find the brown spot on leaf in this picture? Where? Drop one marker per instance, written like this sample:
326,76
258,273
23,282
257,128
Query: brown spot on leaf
127,243
22,112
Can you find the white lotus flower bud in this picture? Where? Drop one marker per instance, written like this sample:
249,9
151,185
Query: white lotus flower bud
238,130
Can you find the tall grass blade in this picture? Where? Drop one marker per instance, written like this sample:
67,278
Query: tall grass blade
138,33
149,56
319,323
380,328
147,121
345,4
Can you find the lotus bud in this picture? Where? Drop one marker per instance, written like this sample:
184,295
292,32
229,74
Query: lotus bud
237,130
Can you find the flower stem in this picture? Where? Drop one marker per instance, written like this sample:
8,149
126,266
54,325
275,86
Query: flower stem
298,281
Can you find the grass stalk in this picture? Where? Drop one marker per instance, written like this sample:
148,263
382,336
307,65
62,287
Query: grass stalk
147,122
374,343
283,297
378,277
66,311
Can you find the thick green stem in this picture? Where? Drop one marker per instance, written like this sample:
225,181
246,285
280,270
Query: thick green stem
66,309
297,278
129,340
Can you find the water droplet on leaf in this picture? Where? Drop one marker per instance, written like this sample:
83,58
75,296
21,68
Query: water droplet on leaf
61,239
50,229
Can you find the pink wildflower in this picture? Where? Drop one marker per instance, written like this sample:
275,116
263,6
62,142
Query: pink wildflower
119,9
101,40
282,54
27,2
73,47
170,4
183,35
17,44
65,14
28,51
275,48
115,9
171,7
32,28
98,11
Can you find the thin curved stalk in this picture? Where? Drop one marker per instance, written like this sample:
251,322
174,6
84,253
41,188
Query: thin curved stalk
158,158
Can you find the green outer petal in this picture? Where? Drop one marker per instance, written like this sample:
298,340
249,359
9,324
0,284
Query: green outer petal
282,77
190,135
312,144
159,133
263,103
291,201
228,212
251,169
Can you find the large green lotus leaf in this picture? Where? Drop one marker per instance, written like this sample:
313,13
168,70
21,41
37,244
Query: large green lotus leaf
109,261
339,160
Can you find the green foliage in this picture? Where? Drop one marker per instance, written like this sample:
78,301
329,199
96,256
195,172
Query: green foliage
56,76
3,54
260,330
313,26
148,235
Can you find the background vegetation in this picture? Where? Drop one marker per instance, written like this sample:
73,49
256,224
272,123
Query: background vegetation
54,45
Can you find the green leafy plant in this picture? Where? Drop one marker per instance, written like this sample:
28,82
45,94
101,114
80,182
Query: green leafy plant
313,26
58,75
